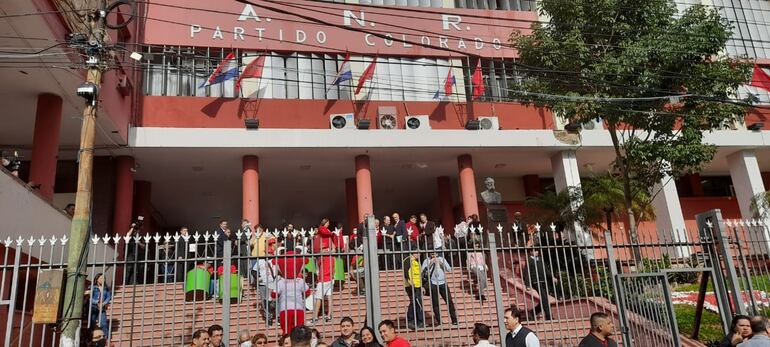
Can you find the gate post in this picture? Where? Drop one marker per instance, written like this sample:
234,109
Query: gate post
372,276
498,289
617,289
710,227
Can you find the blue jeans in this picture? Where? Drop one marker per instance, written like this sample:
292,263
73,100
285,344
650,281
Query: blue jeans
101,318
414,314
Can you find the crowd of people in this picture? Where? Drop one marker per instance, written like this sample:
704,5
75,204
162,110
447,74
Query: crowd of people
295,274
518,335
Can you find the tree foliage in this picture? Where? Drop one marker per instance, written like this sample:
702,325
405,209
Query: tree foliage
666,64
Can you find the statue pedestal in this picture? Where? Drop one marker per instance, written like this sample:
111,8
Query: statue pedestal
497,214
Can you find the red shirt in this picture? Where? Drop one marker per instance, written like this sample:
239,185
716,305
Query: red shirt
290,267
414,236
325,266
399,341
325,236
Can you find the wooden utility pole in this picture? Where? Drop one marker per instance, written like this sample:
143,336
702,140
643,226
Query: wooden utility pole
72,315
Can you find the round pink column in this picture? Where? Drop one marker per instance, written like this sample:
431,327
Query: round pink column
124,195
351,202
467,185
364,186
251,189
445,203
45,143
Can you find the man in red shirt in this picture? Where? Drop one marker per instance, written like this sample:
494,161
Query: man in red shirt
324,286
388,331
290,264
413,229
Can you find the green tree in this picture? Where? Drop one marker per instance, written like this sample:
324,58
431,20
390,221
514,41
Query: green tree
604,200
666,65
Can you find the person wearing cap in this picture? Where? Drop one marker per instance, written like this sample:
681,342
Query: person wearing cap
413,284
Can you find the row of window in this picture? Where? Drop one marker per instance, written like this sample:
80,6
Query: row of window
512,5
176,71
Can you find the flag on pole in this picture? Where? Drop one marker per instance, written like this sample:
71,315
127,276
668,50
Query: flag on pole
253,70
367,75
449,82
760,78
226,70
344,74
478,82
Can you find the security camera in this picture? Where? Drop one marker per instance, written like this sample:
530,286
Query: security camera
88,91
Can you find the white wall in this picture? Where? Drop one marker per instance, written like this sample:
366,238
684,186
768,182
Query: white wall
24,213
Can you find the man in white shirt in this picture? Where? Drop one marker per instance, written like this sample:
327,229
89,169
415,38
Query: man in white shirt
518,335
481,335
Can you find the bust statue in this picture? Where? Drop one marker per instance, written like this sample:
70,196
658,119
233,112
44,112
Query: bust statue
490,196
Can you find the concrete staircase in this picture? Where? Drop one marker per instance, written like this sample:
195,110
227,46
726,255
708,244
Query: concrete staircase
158,315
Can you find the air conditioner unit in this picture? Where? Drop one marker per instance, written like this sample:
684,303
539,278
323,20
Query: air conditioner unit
594,124
489,123
418,123
386,118
342,121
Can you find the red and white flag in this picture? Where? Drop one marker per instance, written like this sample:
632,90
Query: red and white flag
478,82
252,70
760,78
367,75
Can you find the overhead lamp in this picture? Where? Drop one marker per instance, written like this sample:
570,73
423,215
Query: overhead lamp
363,124
572,127
251,123
756,126
473,124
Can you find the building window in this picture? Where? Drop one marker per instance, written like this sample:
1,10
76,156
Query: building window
180,71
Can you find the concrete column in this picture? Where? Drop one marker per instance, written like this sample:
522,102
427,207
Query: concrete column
565,175
467,185
251,189
124,195
531,185
565,170
45,143
747,182
747,179
668,217
351,203
143,204
445,203
363,187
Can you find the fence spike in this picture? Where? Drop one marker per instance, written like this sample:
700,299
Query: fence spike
167,237
515,228
481,229
95,239
8,241
537,227
248,234
440,229
31,240
106,239
196,236
19,241
472,229
499,228
53,239
238,234
216,235
42,240
710,224
312,232
156,238
147,238
740,222
206,236
116,239
63,240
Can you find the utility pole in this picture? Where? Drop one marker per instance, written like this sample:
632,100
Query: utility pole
77,257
